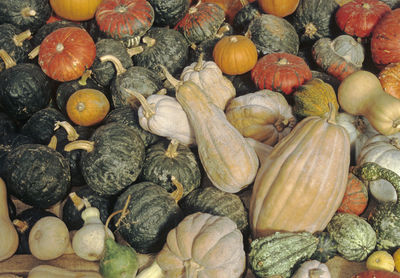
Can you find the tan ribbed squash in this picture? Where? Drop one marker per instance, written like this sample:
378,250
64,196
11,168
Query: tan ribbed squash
302,182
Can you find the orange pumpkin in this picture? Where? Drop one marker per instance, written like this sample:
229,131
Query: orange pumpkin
75,10
235,54
279,8
87,107
355,198
389,78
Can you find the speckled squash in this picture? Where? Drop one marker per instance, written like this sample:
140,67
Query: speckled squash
151,213
388,77
326,249
168,13
355,199
37,175
244,16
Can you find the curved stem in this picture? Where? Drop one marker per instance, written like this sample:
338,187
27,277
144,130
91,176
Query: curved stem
116,62
72,135
53,142
79,145
175,82
28,12
171,151
149,41
78,202
222,30
123,212
199,64
178,193
8,61
34,53
20,38
135,50
20,225
83,80
148,111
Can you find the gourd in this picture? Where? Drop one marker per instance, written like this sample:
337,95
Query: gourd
168,13
50,271
376,273
75,10
230,167
355,199
49,238
203,245
388,77
312,269
326,249
361,94
9,240
293,168
380,260
278,8
384,212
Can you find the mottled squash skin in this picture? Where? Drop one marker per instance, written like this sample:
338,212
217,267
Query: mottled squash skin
168,13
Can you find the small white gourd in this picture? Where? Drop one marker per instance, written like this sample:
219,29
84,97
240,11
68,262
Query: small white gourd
312,269
88,241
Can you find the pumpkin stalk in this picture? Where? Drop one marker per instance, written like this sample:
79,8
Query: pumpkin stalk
116,62
34,53
223,29
83,80
79,145
78,202
135,50
8,61
178,193
20,38
21,226
175,82
28,12
53,142
171,151
148,110
310,30
72,135
123,212
199,64
148,41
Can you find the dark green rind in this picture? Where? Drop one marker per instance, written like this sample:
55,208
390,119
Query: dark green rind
244,16
116,160
279,253
326,249
152,213
159,168
169,13
355,237
216,202
46,29
37,175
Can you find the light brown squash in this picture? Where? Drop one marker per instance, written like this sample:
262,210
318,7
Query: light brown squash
302,182
49,271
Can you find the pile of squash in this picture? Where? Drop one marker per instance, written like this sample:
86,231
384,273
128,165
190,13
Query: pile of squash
226,138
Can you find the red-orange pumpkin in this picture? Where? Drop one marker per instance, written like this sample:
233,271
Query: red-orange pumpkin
389,78
355,198
66,53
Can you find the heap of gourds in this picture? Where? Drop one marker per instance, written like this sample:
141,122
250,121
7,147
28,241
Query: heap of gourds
224,137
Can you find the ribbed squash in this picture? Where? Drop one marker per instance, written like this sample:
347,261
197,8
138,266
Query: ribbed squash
301,183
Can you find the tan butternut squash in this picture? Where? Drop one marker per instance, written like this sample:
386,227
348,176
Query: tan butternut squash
361,93
302,182
49,271
9,235
229,161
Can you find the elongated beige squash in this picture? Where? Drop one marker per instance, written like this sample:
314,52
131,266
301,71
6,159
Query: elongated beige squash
229,161
302,182
49,271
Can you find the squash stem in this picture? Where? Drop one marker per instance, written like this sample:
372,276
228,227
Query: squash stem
223,29
396,123
78,202
34,53
147,109
123,211
178,193
83,80
8,61
175,82
191,269
53,142
20,225
148,41
171,151
28,12
72,135
116,62
135,50
199,64
20,38
79,145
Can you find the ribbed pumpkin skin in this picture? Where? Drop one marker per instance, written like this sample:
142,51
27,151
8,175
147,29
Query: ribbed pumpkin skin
168,13
75,10
389,77
302,182
278,7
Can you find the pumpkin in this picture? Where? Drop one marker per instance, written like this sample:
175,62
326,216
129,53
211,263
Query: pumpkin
205,245
168,13
388,77
380,260
339,57
66,53
75,10
310,268
235,54
272,34
282,72
126,20
320,170
361,94
263,115
87,107
384,41
376,274
396,258
355,199
277,7
358,18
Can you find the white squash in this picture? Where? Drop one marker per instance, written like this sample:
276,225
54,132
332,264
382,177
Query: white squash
312,269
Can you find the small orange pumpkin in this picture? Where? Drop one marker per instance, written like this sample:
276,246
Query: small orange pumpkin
279,8
235,54
87,107
75,10
355,198
389,77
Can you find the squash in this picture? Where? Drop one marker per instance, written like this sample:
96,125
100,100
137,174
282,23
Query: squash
49,238
296,171
376,274
168,13
231,167
311,269
388,77
278,7
396,258
50,271
326,249
75,10
203,245
355,199
361,93
380,260
45,30
9,240
244,16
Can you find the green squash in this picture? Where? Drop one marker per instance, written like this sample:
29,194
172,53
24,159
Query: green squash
244,16
46,29
326,249
355,237
278,254
168,13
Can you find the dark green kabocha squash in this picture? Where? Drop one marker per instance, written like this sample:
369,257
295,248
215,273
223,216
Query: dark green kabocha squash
210,199
244,16
393,4
272,34
37,175
46,29
326,249
24,90
24,222
165,159
15,43
129,116
7,125
385,217
40,126
104,72
25,14
163,46
168,13
74,205
151,213
278,254
112,158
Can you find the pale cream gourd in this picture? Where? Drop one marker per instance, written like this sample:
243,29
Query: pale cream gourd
163,115
88,241
264,115
229,161
49,271
49,238
9,235
361,93
262,150
312,269
209,77
385,151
